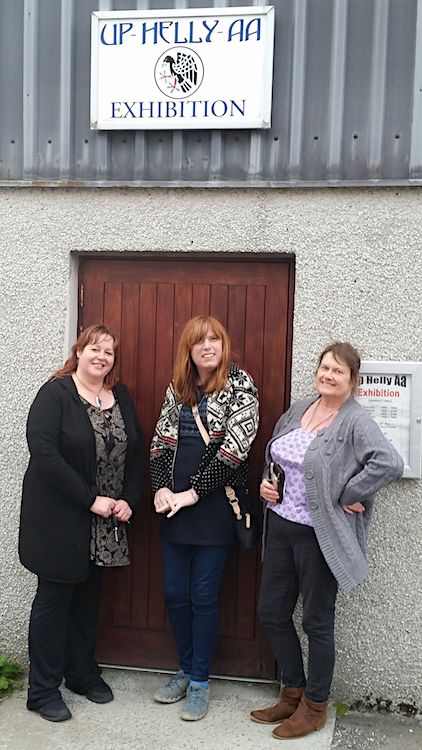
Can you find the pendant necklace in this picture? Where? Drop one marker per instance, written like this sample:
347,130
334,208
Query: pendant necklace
324,419
97,395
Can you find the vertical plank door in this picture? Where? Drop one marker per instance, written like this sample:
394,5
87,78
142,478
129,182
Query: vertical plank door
147,302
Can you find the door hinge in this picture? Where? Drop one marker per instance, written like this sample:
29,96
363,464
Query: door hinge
81,296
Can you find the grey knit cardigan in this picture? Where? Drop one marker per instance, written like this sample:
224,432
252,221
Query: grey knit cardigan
348,461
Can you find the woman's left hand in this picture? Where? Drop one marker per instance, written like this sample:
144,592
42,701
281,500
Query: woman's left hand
268,493
122,510
353,508
182,500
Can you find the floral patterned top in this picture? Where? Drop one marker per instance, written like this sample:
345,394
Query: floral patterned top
289,450
110,441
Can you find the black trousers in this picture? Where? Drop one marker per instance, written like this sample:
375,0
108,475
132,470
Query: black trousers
294,564
62,631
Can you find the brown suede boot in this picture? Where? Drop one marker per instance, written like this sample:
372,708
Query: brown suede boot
286,706
308,717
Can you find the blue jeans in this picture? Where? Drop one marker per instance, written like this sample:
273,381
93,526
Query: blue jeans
192,577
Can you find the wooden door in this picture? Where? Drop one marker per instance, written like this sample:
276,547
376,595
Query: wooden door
147,302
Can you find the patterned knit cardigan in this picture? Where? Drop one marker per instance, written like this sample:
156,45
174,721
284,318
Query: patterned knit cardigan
349,461
232,422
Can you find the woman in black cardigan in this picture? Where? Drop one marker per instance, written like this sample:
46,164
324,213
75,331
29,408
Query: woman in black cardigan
83,481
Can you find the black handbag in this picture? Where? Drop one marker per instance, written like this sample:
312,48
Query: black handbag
245,526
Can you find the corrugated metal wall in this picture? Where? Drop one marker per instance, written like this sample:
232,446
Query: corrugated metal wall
347,102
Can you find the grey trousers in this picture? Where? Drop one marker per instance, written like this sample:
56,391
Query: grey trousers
294,564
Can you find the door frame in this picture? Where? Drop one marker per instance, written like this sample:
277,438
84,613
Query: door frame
216,257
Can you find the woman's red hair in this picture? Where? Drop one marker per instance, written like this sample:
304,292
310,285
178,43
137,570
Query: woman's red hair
90,335
185,374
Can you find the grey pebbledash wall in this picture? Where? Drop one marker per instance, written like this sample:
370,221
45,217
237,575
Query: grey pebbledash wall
358,259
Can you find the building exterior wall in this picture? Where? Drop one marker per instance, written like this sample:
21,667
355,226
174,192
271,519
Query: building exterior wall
358,263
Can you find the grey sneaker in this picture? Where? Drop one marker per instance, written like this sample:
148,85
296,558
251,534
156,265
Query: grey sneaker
196,703
175,689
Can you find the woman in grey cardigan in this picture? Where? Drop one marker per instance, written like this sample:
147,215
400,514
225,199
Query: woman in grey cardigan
333,459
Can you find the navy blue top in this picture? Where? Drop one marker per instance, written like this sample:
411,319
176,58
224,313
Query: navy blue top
190,447
210,520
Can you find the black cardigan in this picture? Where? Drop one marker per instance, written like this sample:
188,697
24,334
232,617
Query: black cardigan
59,486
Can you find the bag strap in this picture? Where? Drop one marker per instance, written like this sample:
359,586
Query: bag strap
231,495
200,425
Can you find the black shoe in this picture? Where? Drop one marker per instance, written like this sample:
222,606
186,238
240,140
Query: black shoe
100,692
54,711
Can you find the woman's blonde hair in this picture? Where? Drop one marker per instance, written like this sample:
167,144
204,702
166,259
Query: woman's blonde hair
185,373
90,335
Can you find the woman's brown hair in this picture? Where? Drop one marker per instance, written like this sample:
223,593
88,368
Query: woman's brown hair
185,373
90,335
342,350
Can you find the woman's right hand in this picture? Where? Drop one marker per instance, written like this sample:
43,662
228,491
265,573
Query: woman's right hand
268,493
161,500
182,500
103,506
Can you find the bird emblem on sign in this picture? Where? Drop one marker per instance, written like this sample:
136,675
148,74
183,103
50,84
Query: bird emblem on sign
179,72
184,70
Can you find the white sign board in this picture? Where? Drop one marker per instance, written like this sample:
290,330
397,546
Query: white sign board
190,69
392,394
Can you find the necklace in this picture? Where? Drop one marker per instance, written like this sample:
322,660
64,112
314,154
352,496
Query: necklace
97,395
324,419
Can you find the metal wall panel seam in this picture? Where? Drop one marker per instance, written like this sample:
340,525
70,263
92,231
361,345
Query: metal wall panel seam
103,137
415,166
378,79
140,150
102,154
30,56
216,166
140,147
178,147
256,145
298,87
178,140
337,84
67,63
216,154
256,142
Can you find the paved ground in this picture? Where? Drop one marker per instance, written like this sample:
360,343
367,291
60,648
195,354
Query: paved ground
373,731
133,721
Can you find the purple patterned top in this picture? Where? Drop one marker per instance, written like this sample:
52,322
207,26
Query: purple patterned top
289,451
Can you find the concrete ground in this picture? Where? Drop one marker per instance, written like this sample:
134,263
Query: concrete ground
373,731
133,721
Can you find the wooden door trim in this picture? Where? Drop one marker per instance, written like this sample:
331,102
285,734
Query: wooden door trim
188,255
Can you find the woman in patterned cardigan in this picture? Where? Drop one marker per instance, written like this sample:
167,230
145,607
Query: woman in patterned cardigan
188,480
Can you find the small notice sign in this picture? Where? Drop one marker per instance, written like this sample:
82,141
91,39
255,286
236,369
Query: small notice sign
391,392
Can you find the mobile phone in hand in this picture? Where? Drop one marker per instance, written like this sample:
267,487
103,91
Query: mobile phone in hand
276,475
